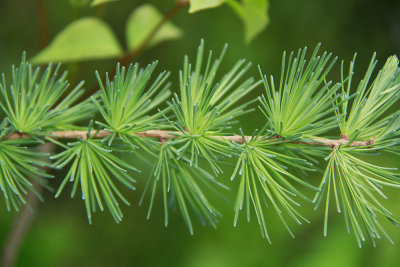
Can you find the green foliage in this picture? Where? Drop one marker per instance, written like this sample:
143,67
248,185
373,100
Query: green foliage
197,5
303,98
203,110
84,39
263,174
142,22
19,166
93,165
127,102
34,104
364,118
357,184
192,134
90,38
181,185
101,2
254,15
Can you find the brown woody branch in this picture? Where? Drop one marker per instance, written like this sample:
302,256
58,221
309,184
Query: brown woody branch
165,135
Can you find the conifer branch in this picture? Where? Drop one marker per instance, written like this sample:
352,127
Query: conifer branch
194,127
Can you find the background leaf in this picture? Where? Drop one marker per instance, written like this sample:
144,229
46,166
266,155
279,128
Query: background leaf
100,2
142,21
254,16
86,38
197,5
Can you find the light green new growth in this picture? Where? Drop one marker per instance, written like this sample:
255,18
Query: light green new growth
264,178
125,111
357,184
34,104
188,137
92,167
304,98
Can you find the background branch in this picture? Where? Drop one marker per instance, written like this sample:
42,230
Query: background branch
44,37
23,220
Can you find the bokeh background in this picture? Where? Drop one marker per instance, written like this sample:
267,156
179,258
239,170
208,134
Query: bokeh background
60,234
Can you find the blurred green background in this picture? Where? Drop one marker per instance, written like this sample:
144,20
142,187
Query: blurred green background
60,234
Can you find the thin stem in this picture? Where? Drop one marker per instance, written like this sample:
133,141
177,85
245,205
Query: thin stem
165,135
100,9
44,37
